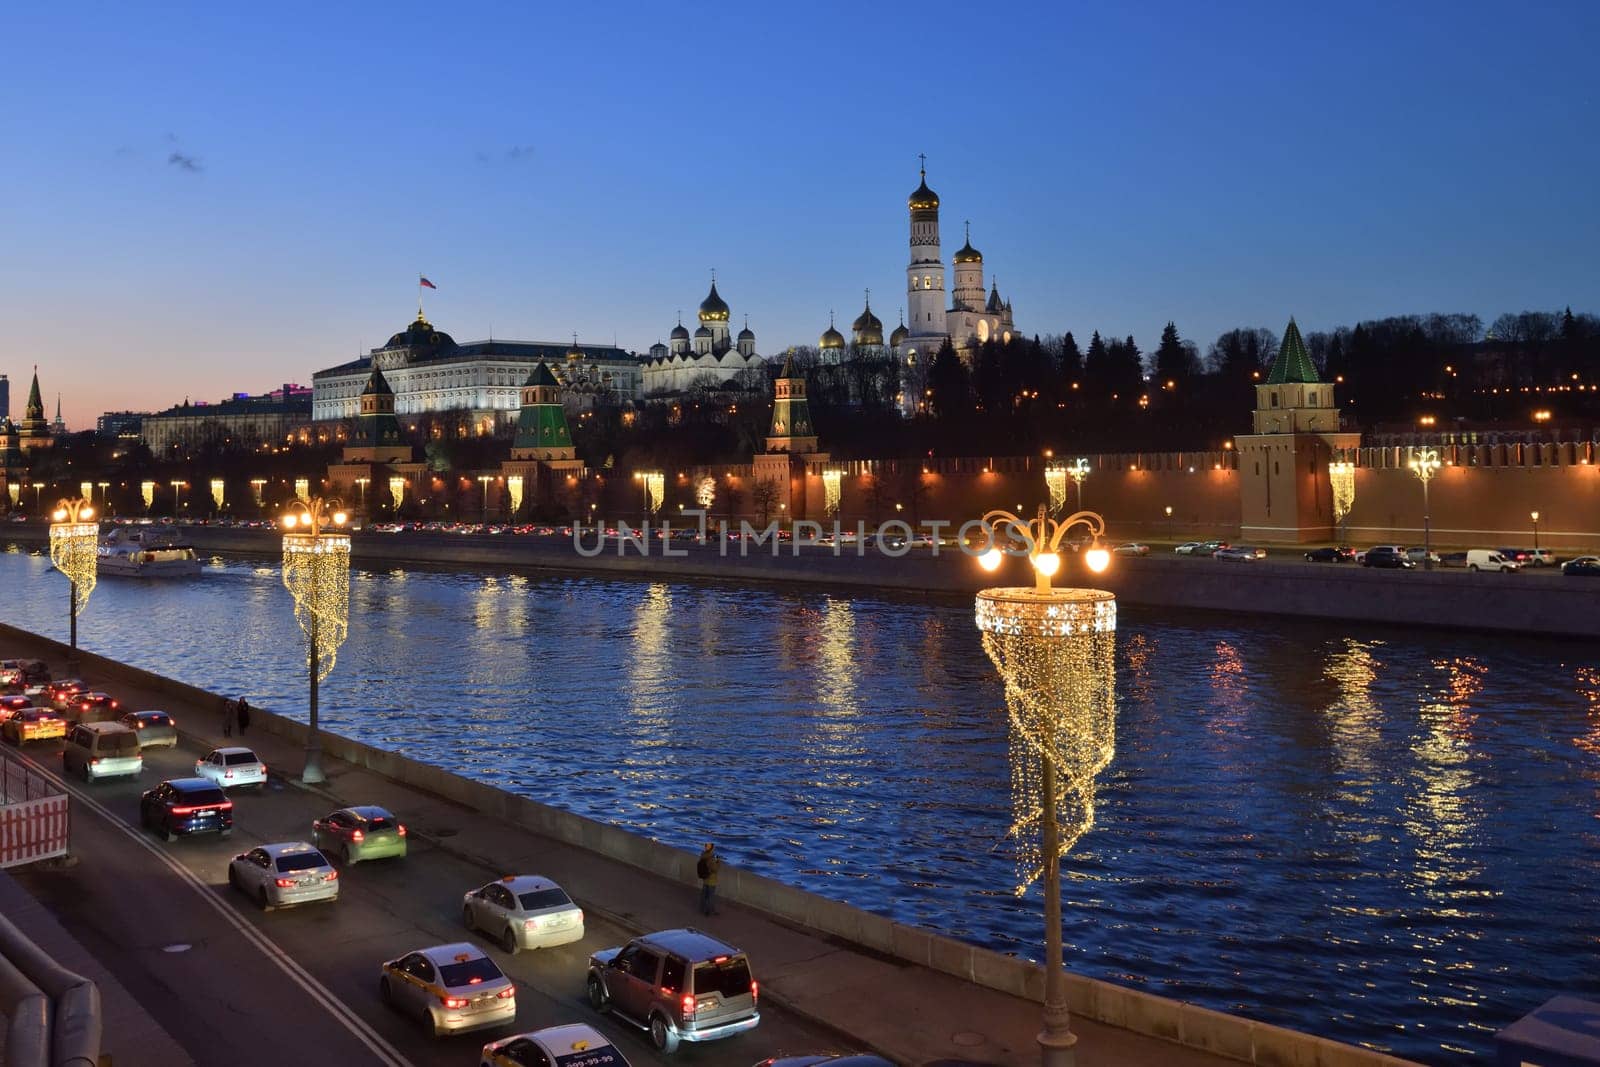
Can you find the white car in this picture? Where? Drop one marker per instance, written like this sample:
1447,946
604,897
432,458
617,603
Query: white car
450,988
1187,548
276,876
523,911
574,1043
231,767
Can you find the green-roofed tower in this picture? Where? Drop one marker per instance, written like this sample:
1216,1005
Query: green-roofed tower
375,438
1294,362
792,430
542,431
34,430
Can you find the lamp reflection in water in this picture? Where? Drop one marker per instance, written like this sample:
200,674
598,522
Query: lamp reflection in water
1054,649
316,571
74,551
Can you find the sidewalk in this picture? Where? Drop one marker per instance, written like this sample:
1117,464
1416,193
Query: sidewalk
903,1011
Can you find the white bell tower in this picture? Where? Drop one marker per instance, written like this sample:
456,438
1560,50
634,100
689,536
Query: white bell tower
925,296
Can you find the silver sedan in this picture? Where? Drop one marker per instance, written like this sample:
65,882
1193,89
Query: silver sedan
279,875
523,911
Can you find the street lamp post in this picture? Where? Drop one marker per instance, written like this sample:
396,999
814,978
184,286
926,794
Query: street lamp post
1425,464
1054,650
1535,516
1078,472
38,491
361,486
177,499
316,571
105,496
484,480
1169,522
74,550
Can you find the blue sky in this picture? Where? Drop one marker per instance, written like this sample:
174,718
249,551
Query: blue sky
560,168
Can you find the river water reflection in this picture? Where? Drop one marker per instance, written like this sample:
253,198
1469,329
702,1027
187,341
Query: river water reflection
1382,836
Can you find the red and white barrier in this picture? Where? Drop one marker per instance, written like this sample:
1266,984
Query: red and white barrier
33,830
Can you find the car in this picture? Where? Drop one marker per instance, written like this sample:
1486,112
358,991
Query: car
155,728
185,806
17,673
828,1059
1422,557
1536,557
287,873
1486,559
1453,559
60,693
573,1045
1519,556
101,750
680,985
1331,554
1131,548
91,707
1387,557
1582,567
232,767
1210,548
1187,548
360,833
10,705
523,911
1240,552
451,988
33,724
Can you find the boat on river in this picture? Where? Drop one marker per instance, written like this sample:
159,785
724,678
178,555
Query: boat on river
145,552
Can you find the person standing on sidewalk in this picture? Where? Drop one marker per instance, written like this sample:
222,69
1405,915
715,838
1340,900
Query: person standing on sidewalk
244,716
710,863
228,713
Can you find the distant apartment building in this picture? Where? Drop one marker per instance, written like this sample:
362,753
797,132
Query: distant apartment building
5,397
120,424
241,421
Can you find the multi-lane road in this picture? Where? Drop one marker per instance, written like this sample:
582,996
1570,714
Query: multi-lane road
236,985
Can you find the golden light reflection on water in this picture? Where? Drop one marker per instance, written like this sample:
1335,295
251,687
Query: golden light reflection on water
1442,819
652,673
1230,690
1354,717
839,681
1588,688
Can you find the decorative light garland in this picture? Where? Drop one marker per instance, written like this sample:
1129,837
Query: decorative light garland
514,488
1342,479
218,490
15,489
1055,480
655,487
302,489
832,480
74,547
705,492
147,490
86,490
316,571
397,490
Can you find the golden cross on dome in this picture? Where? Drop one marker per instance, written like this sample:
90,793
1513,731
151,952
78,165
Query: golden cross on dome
923,158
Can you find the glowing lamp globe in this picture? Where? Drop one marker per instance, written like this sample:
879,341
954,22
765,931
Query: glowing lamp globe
1098,559
990,560
1047,564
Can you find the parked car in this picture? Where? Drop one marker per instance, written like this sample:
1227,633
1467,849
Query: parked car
573,1045
680,985
1453,559
276,876
1582,567
231,767
450,988
523,911
101,750
33,724
1240,552
361,833
1422,557
1210,548
1489,559
1332,554
155,728
1131,548
186,806
1388,557
1187,548
1519,556
1536,557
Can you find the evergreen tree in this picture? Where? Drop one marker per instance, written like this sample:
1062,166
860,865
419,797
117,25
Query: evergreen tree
1127,372
950,384
1071,363
1097,370
1175,361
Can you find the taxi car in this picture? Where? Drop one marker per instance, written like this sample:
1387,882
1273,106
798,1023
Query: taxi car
450,988
33,724
574,1045
155,728
277,876
361,833
523,911
231,767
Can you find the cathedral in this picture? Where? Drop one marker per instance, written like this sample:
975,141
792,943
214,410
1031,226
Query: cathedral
711,359
969,318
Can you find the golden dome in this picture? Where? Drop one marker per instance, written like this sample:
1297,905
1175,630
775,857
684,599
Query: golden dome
924,199
713,308
867,328
831,339
968,254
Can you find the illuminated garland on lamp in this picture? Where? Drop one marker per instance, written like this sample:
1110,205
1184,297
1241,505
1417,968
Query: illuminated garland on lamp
1342,479
1055,650
316,571
147,490
218,491
397,491
74,548
302,490
705,492
86,490
514,488
831,490
1055,480
655,487
256,487
15,489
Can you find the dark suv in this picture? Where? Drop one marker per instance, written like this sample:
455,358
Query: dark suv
681,985
1392,557
186,806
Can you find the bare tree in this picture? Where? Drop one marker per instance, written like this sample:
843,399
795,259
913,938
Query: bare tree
764,496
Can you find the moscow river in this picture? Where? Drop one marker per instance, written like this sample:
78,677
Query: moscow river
1388,837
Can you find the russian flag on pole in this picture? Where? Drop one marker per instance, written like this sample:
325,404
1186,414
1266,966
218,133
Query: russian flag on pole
423,281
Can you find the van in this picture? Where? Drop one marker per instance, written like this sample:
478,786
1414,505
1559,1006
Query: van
1488,559
102,750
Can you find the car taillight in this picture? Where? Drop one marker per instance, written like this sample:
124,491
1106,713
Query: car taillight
530,924
226,805
402,830
227,774
93,760
453,1002
285,883
755,991
180,811
688,1005
507,993
331,876
357,835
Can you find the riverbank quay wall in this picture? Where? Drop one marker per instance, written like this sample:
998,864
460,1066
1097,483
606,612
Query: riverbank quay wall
1543,604
1185,1024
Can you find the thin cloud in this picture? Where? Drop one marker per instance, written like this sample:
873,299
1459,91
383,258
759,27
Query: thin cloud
183,162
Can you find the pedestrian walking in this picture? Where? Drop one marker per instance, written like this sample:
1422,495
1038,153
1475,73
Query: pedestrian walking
710,863
243,716
228,713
